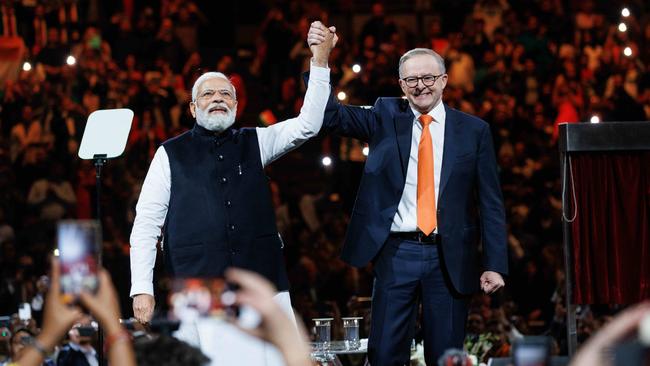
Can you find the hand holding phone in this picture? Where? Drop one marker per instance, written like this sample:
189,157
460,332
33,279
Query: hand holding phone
274,325
78,243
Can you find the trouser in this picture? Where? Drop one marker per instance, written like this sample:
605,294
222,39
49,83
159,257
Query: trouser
406,273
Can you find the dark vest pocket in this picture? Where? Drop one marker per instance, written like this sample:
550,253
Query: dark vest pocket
188,259
264,255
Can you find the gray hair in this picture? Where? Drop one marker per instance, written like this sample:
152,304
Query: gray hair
422,51
210,75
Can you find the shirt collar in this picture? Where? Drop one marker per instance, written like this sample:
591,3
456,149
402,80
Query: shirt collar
438,113
84,350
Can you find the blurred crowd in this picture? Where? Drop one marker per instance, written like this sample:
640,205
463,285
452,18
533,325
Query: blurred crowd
523,67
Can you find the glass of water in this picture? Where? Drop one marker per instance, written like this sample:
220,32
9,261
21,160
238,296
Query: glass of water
351,335
323,331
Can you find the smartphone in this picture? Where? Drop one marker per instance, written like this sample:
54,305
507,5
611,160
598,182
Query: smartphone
25,312
532,351
79,244
86,331
631,352
193,298
5,322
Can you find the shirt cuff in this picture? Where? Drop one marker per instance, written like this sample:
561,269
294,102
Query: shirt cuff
319,73
138,288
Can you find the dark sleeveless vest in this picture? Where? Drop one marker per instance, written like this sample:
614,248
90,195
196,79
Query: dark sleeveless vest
220,212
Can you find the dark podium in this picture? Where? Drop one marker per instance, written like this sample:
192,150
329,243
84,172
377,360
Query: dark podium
605,214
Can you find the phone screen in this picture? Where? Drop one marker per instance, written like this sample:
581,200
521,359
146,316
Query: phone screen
531,351
86,331
5,321
193,298
25,311
78,243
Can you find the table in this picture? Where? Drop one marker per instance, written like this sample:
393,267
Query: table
337,348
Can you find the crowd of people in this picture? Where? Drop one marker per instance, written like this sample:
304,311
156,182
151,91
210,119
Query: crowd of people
522,67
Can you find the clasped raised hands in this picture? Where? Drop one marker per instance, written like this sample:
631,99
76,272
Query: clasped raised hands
321,41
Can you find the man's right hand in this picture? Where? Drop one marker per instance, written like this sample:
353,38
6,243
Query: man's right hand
321,41
143,305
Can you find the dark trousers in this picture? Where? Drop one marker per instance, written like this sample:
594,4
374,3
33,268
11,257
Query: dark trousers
407,272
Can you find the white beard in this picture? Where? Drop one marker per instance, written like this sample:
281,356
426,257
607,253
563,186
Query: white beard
215,122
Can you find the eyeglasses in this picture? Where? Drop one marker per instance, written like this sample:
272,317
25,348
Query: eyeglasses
427,80
224,93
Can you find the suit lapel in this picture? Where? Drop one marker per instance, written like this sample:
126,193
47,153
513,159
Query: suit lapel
452,139
404,132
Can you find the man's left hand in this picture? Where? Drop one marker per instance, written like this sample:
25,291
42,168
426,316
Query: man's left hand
491,281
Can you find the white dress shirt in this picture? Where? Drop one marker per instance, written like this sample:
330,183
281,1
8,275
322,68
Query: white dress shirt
274,141
406,217
88,351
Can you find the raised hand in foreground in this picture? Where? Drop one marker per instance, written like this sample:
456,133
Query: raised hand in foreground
58,318
275,327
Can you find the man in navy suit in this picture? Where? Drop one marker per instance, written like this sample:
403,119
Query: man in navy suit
427,198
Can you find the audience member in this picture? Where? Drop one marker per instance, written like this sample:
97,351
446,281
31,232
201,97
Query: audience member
59,317
598,349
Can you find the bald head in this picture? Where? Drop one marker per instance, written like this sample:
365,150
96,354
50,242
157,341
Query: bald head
421,51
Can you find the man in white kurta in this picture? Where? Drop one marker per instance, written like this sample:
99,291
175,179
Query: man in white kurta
214,105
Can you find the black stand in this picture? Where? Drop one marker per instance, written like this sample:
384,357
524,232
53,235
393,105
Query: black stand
105,137
99,161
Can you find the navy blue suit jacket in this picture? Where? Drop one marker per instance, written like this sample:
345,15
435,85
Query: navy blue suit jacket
470,205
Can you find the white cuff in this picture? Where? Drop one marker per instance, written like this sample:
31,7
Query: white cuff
138,288
319,73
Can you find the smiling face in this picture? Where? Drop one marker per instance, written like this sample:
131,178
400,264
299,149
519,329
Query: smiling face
215,105
421,97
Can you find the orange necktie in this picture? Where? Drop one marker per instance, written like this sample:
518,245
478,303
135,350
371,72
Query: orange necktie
426,200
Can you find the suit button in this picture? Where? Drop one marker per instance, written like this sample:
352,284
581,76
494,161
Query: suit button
228,203
224,180
220,157
232,227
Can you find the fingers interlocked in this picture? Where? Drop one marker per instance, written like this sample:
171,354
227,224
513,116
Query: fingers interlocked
318,33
